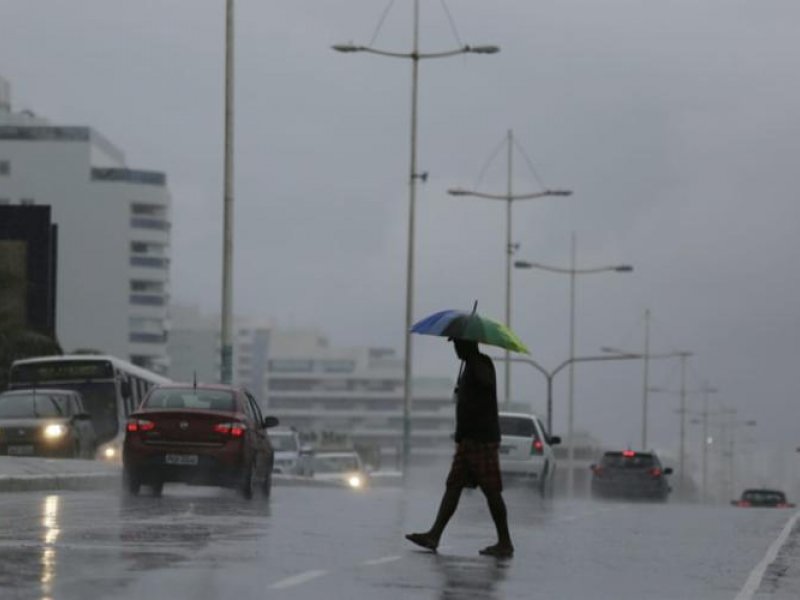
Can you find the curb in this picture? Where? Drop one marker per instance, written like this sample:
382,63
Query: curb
77,481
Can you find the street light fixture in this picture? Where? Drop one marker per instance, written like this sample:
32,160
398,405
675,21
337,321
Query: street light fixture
415,56
572,271
509,197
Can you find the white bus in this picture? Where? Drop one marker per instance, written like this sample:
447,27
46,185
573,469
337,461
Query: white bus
111,389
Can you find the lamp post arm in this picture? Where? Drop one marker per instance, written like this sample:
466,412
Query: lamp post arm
414,55
522,264
507,197
580,359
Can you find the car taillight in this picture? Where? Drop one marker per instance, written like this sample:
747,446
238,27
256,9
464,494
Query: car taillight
744,503
628,453
536,447
140,425
655,472
783,505
235,430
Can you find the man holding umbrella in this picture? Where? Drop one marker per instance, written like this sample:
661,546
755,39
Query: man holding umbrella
476,461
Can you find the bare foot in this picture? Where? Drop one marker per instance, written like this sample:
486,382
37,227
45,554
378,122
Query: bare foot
426,540
498,551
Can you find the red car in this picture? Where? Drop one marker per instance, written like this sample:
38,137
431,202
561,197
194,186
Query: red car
201,435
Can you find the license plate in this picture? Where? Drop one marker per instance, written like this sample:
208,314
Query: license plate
181,459
26,450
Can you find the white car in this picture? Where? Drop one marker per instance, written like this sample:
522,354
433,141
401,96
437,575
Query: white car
526,449
342,467
286,444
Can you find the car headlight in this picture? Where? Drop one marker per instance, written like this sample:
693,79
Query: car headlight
54,431
354,481
109,452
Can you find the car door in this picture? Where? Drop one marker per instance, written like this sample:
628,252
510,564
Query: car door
263,448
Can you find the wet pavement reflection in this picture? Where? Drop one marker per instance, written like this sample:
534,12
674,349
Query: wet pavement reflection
307,543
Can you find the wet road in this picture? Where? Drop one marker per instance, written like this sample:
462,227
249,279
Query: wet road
332,543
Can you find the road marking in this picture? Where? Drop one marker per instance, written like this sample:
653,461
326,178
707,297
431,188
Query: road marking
298,579
381,561
754,581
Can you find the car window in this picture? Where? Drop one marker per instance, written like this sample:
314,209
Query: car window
191,399
517,426
28,406
284,442
620,460
335,464
764,496
255,408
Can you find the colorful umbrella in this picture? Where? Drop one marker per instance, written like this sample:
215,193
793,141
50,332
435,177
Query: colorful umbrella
470,326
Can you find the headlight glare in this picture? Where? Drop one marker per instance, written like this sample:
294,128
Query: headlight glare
54,431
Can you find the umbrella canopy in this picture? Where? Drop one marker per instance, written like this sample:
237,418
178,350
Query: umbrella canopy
464,325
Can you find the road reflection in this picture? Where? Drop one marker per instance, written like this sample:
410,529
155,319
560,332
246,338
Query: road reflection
470,578
50,524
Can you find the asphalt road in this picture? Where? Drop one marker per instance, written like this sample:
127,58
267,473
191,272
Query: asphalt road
324,543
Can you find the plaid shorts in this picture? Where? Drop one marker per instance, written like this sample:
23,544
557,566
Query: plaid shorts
476,464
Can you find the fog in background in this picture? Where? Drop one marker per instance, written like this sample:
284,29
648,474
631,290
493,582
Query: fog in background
674,123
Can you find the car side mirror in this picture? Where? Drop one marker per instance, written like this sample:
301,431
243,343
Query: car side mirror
668,471
555,440
734,503
270,422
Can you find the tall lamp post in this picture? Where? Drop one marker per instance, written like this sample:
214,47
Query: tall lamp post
414,56
226,327
704,414
509,197
573,272
648,356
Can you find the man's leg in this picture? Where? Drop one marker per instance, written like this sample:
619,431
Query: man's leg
447,508
497,508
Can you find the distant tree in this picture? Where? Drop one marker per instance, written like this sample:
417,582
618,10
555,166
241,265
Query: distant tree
16,341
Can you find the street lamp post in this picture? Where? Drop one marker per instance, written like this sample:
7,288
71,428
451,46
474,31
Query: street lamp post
572,271
509,197
648,356
415,56
226,327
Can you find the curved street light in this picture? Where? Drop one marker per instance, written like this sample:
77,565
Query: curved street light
573,271
509,197
415,56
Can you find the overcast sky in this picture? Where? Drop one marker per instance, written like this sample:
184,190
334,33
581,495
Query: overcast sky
675,123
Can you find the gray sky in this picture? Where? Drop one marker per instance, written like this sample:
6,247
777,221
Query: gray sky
675,123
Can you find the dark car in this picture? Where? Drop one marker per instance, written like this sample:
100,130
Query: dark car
759,498
201,435
630,474
45,422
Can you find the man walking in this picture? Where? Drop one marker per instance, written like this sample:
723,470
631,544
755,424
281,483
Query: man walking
476,462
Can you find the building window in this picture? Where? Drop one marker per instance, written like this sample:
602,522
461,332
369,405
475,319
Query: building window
145,325
148,210
5,167
147,286
149,223
148,338
145,300
149,261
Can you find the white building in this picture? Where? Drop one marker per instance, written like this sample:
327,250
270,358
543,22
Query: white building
114,233
357,392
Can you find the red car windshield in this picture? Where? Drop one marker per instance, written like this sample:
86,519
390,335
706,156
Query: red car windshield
191,399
